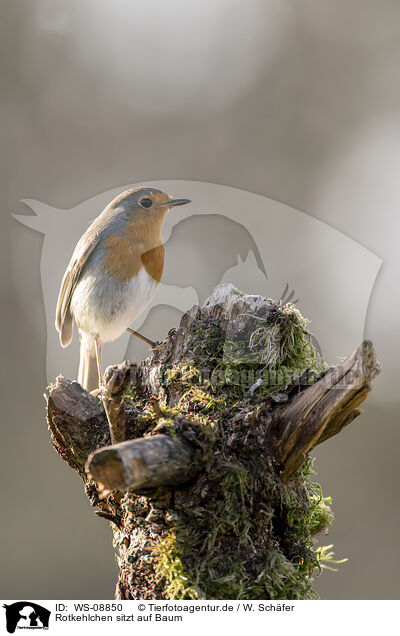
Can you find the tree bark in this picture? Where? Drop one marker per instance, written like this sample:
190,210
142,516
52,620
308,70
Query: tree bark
204,483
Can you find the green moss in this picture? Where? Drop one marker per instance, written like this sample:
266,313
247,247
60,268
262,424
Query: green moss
318,514
168,558
206,555
326,558
278,351
282,579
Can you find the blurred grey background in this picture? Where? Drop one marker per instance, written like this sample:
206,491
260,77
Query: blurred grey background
297,100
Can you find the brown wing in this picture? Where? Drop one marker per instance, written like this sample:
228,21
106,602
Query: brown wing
64,317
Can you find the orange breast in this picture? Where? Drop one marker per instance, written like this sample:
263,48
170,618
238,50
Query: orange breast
140,245
153,261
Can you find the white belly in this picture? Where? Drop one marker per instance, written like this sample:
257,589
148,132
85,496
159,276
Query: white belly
109,311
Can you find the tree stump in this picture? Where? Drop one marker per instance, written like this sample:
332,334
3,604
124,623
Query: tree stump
208,486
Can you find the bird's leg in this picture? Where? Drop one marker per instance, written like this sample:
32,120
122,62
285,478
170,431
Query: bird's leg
97,345
154,345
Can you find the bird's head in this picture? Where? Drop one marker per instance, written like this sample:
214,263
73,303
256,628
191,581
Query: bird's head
144,204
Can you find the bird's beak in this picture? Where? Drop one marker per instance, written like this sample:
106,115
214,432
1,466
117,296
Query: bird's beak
172,203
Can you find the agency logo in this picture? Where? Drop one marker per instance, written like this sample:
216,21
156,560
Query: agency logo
26,615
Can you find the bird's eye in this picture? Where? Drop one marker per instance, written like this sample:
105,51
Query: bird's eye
146,203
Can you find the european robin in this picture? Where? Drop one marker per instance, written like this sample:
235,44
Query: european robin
112,276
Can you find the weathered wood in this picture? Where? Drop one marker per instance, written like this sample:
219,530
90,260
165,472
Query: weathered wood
141,463
322,410
77,422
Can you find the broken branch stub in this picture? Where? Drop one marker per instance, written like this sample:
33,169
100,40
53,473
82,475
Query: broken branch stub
143,463
323,409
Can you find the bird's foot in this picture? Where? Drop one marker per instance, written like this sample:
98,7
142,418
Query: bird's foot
100,392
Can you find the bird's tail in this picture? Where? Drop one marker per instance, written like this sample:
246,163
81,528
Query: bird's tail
87,374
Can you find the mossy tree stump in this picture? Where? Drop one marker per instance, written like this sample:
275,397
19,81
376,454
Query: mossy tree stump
208,487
